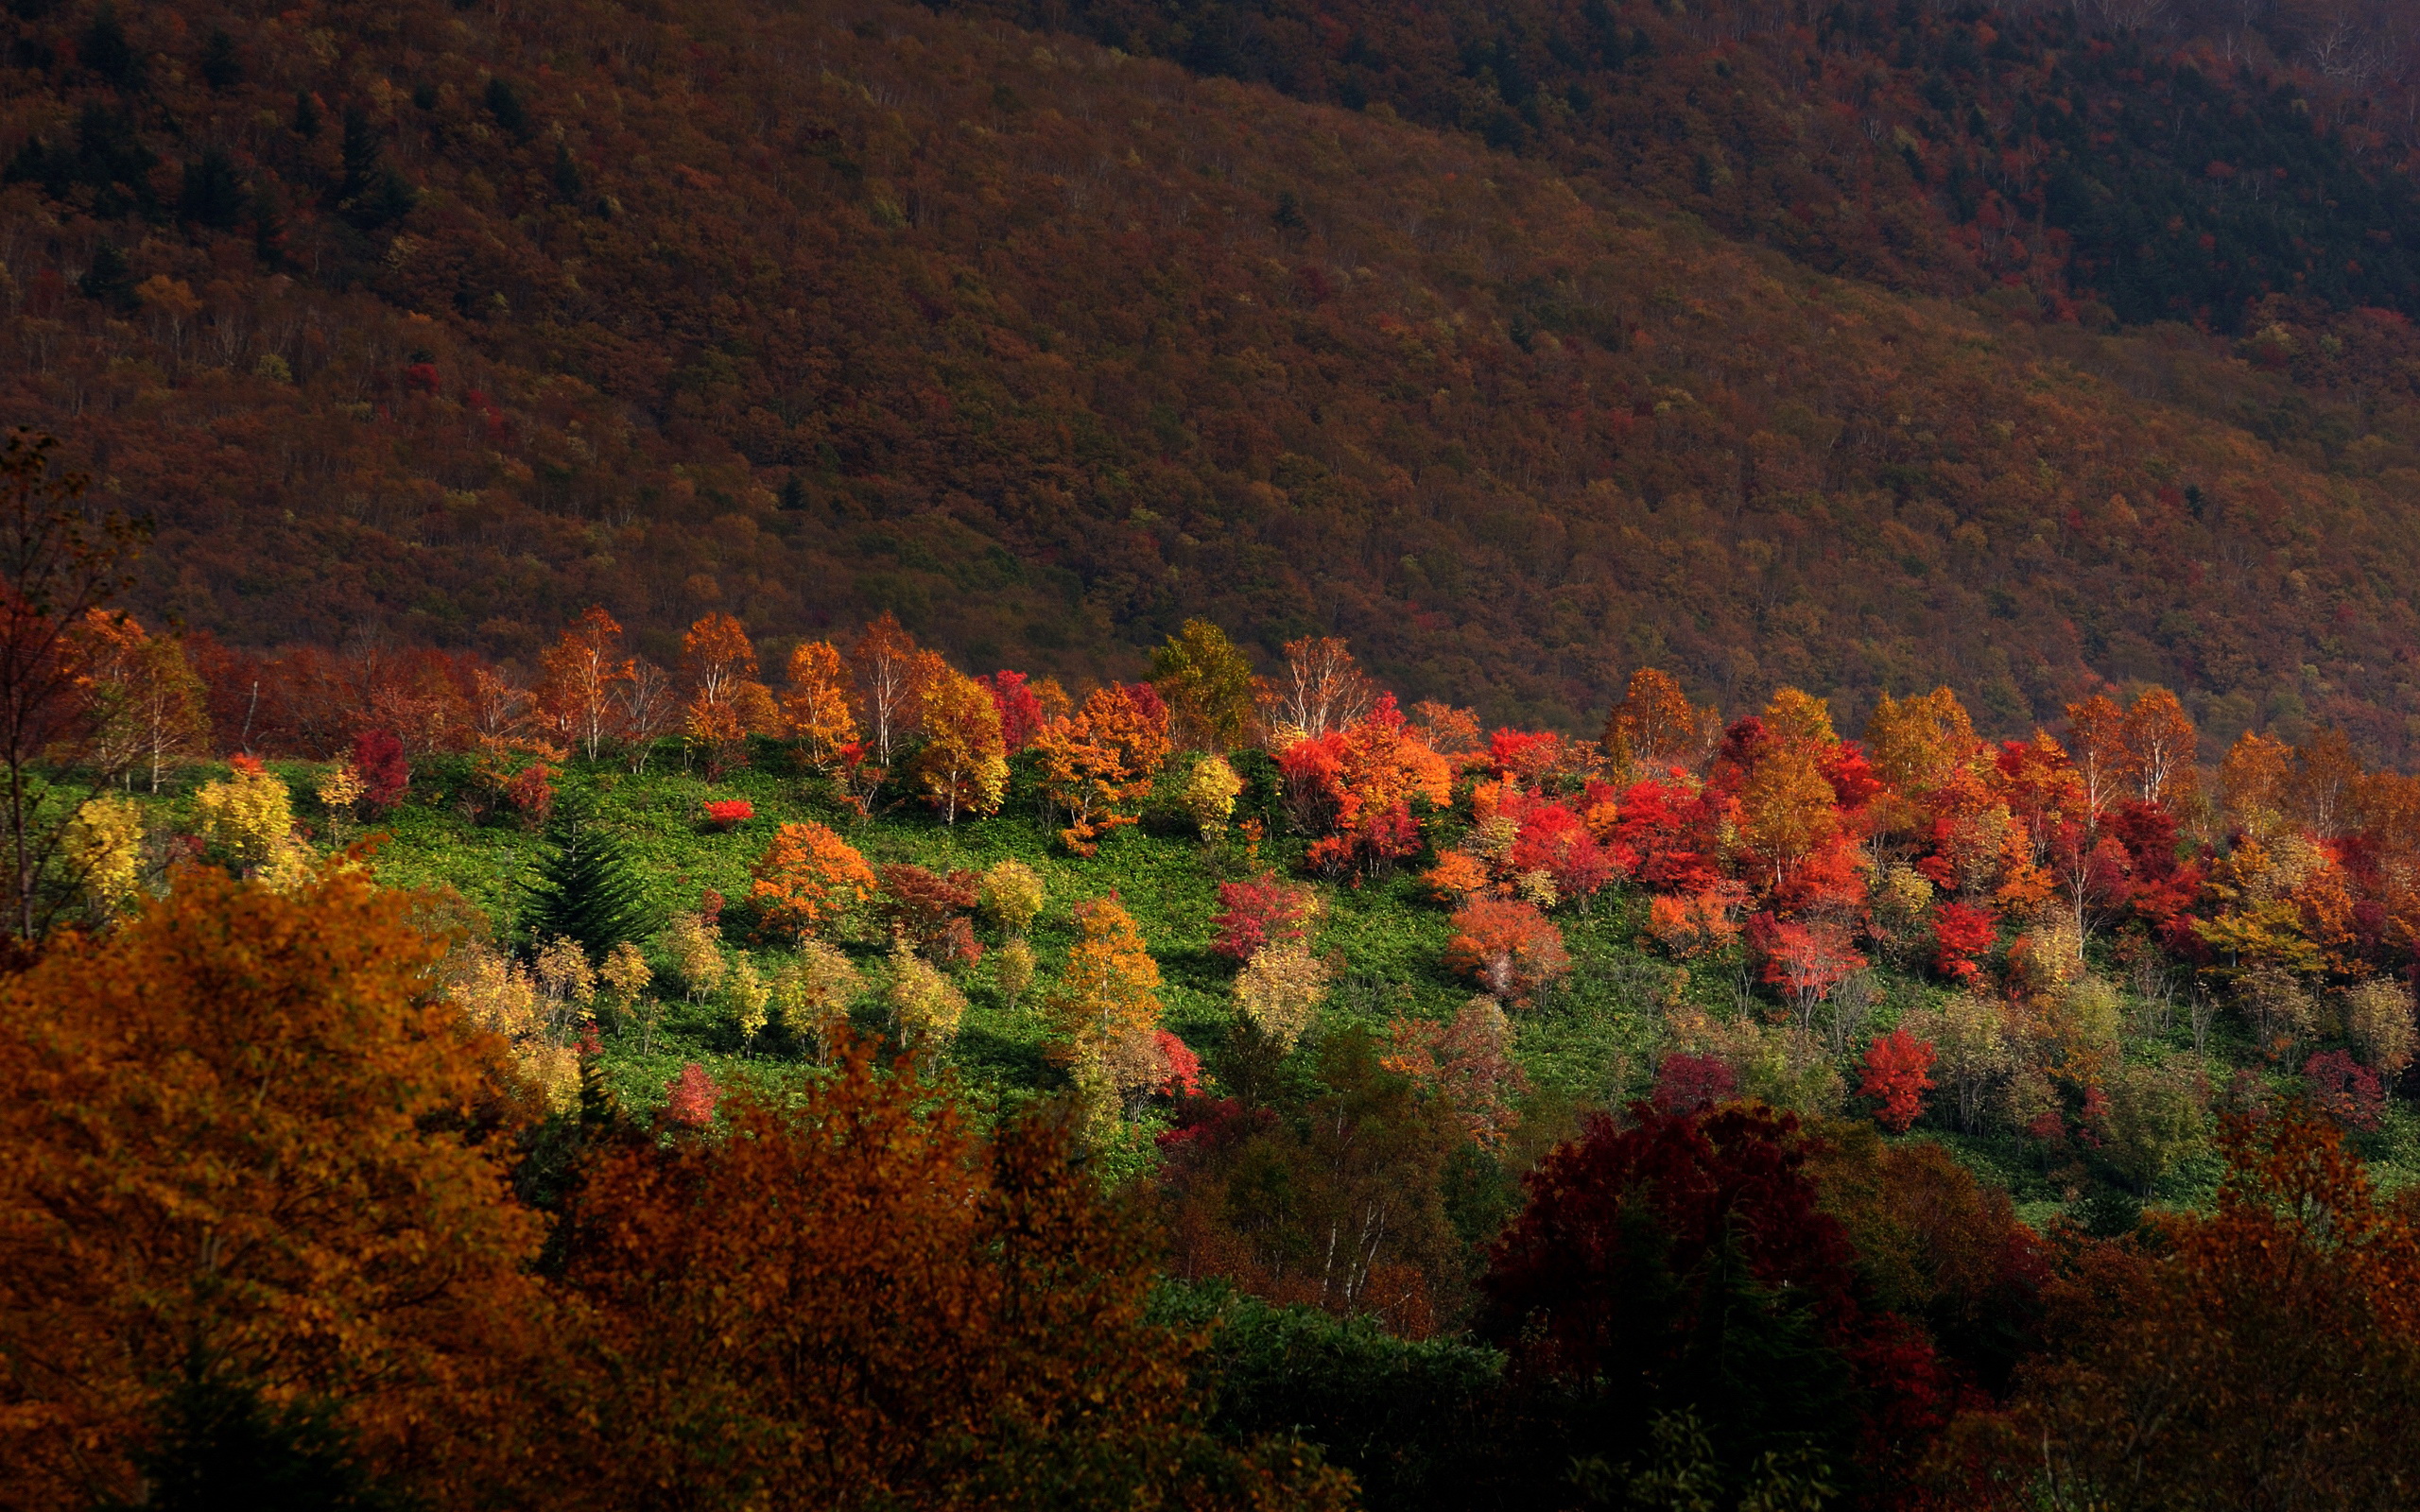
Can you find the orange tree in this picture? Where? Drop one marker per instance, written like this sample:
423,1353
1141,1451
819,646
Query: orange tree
577,679
855,1301
2266,1354
807,877
815,706
245,1153
1098,761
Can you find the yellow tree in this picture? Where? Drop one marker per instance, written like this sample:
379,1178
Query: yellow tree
1207,685
1788,809
236,1136
815,706
1108,997
577,679
1919,745
962,764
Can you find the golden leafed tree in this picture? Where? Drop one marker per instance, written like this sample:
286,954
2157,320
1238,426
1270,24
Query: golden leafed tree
962,765
240,1144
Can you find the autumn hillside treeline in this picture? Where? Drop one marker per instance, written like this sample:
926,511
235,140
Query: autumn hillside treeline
417,328
295,1192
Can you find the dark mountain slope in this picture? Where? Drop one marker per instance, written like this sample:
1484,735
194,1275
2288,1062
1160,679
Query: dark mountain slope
412,324
2133,175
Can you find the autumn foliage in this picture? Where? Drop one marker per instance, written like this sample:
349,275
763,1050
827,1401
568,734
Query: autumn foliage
807,878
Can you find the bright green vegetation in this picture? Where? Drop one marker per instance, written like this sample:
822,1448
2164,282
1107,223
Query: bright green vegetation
1590,1041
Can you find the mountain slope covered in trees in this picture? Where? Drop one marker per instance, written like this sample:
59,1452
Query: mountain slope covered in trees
419,325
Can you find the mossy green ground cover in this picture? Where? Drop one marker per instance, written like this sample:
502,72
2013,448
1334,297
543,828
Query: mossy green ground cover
1590,1041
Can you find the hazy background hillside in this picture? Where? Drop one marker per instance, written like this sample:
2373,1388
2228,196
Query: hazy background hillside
434,325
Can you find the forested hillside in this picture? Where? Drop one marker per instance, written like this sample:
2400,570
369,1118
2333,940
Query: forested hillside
2144,162
418,326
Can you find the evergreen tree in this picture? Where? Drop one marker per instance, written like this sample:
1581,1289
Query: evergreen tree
109,281
220,1446
220,68
586,888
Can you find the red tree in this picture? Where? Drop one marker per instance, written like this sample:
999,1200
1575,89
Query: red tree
1261,912
386,777
1898,1069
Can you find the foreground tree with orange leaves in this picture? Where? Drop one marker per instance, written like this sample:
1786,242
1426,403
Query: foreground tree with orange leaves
855,1301
244,1144
2264,1355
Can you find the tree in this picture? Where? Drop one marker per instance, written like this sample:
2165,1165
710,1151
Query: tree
2377,1019
1656,722
152,710
1899,1071
649,711
1803,961
962,764
884,663
1971,1050
2252,783
104,850
1262,912
248,820
1209,796
927,1003
1010,895
1468,1060
1279,992
57,565
726,704
2159,743
929,909
1320,691
691,1097
2159,1115
1337,1206
806,878
1097,763
1020,703
1353,789
1919,744
1107,998
2262,1353
812,997
695,944
281,1096
587,888
2096,745
1683,1261
1507,948
386,777
577,679
815,706
1207,686
858,1300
